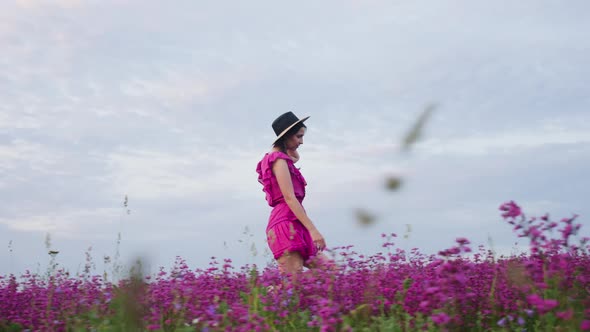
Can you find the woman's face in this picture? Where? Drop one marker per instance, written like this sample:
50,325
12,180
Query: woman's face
293,142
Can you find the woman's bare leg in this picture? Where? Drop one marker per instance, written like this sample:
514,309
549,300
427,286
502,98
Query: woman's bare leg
290,263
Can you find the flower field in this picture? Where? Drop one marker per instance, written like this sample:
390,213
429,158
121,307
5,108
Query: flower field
459,289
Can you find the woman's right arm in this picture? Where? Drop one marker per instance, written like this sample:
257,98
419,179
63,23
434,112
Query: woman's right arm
281,171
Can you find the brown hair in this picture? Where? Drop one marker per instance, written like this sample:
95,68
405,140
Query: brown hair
280,143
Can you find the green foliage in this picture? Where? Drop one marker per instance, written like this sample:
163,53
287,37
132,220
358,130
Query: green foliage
10,327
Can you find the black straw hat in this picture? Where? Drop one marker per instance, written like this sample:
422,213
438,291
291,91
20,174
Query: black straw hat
284,122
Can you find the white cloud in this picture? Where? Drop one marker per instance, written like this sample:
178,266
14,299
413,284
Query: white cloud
20,154
69,223
188,86
151,174
36,4
154,174
504,142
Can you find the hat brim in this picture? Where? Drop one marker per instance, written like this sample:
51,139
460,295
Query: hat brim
289,128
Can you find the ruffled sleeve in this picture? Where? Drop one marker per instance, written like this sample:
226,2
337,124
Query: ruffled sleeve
268,180
264,167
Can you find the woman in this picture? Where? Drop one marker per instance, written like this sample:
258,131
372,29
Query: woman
292,236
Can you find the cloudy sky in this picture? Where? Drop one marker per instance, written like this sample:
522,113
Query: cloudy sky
171,104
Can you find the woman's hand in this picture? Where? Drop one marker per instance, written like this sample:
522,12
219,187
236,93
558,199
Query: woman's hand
318,240
294,155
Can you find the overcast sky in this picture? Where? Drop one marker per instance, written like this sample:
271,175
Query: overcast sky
171,105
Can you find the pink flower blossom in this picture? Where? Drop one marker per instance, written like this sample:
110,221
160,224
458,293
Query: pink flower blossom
511,210
440,318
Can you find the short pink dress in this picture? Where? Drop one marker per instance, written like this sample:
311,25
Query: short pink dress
284,231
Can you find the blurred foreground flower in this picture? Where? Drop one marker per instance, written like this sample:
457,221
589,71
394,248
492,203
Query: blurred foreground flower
364,218
393,183
416,130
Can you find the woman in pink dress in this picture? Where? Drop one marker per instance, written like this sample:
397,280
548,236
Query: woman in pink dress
292,236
